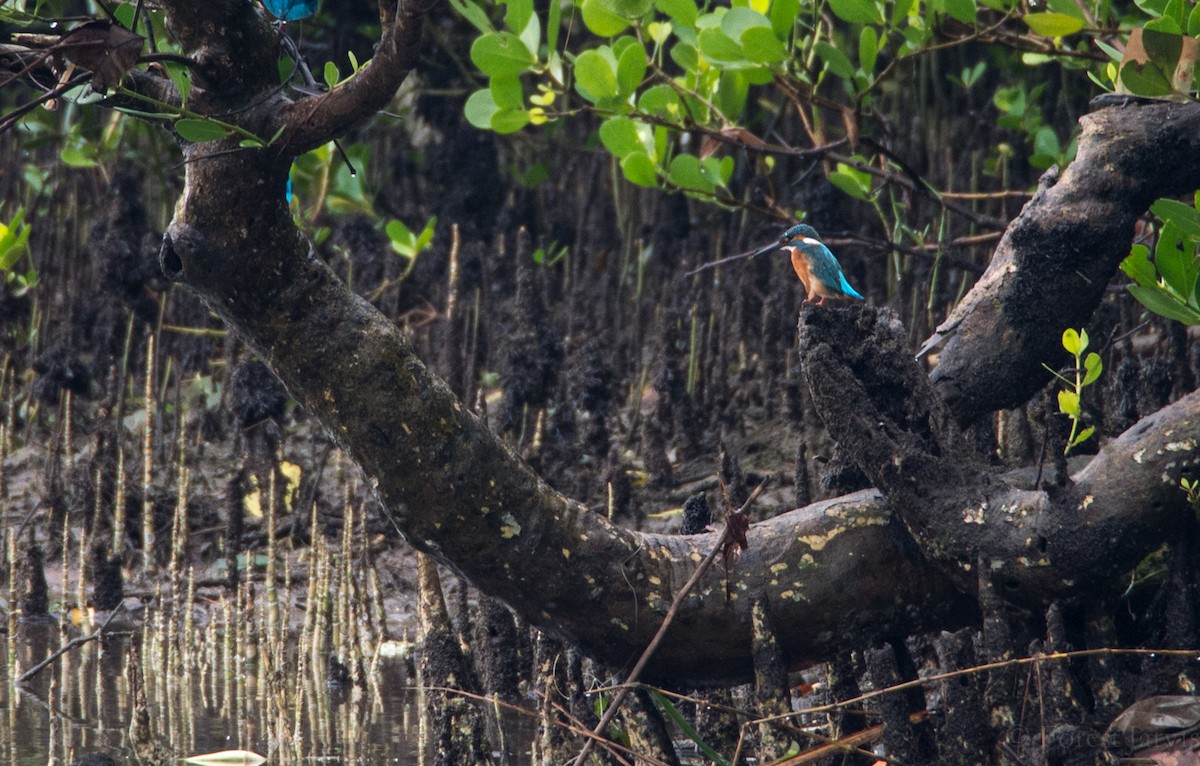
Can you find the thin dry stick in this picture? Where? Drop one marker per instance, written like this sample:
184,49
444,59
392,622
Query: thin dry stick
1056,657
74,642
636,673
572,724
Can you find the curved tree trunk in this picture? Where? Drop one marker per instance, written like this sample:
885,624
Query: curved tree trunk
832,574
1054,262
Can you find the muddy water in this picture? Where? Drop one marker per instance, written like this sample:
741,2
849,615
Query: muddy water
85,701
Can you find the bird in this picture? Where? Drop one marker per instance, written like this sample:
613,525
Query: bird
291,10
816,266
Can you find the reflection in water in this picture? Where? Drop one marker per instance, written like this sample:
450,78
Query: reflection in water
214,698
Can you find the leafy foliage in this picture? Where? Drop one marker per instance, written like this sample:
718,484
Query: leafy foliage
658,74
1169,286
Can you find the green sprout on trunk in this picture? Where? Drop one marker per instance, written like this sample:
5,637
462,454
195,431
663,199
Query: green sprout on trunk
1086,371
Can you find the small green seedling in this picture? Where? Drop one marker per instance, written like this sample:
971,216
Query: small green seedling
14,243
1087,370
408,244
405,242
1191,487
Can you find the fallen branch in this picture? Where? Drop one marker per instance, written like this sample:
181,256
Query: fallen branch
74,642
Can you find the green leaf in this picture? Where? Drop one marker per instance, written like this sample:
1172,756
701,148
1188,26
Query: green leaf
868,49
1072,342
426,235
1144,80
718,47
1163,47
1050,24
531,35
401,237
1174,12
689,732
600,20
14,237
661,101
739,19
1185,217
685,56
639,169
857,11
621,137
732,91
507,92
1045,141
198,131
1149,62
330,74
77,155
1164,304
181,78
594,76
501,54
961,10
835,60
631,68
1176,261
1138,267
717,170
1093,366
762,46
680,11
471,11
1083,436
479,109
850,185
783,17
1109,50
553,23
685,173
506,121
900,11
1068,403
517,14
628,9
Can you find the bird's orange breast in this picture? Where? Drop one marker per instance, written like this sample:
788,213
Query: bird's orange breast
800,265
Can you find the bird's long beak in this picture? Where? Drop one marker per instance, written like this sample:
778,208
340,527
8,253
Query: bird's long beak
768,248
748,254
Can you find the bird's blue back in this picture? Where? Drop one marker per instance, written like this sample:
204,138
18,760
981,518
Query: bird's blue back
291,10
823,264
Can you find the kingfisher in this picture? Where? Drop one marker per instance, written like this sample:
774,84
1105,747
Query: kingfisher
291,10
814,264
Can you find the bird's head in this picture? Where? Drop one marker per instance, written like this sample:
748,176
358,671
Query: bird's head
798,235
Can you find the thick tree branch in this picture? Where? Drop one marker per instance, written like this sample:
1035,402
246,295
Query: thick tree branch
1039,544
829,573
1052,265
315,120
459,493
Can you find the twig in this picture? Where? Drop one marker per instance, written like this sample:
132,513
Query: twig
74,642
572,724
1035,660
611,712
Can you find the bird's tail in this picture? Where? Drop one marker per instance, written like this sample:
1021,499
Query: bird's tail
848,290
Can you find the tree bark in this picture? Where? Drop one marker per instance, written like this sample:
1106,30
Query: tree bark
836,573
1053,263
